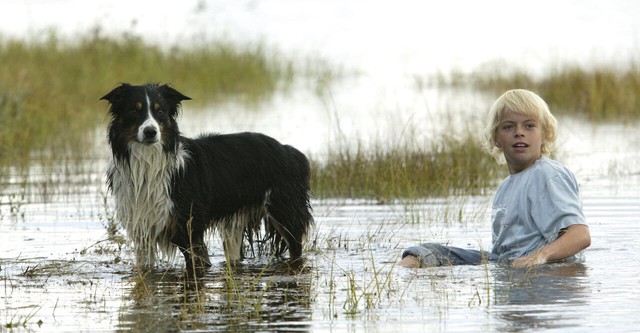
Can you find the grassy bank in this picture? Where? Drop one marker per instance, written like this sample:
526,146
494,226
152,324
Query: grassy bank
447,166
598,93
49,89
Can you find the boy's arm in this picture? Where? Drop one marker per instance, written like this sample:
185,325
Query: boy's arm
575,239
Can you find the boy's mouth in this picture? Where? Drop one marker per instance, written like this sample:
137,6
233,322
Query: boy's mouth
520,146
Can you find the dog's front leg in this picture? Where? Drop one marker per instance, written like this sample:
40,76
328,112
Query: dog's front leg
196,258
191,244
232,235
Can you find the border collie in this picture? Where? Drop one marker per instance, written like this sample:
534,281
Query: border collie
170,190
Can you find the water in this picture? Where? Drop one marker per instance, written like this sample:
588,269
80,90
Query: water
60,272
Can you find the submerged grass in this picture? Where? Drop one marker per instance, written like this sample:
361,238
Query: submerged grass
49,88
598,93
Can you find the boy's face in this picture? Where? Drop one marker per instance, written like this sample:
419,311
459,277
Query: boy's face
520,137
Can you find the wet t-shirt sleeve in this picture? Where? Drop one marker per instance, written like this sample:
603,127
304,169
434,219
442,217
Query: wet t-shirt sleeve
557,207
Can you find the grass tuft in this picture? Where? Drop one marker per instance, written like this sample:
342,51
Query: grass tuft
601,93
449,166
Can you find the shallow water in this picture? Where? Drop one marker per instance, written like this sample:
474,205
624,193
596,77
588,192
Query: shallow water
59,271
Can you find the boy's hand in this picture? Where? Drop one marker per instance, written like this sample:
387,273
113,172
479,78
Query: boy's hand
531,260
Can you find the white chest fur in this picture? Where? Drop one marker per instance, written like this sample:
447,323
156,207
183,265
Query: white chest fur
142,191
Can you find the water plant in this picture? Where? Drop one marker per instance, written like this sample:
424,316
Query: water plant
49,87
17,322
601,92
447,166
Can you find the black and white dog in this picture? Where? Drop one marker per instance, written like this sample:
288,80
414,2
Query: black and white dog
169,189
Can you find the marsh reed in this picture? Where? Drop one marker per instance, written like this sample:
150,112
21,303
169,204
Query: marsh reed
49,91
49,87
447,166
599,93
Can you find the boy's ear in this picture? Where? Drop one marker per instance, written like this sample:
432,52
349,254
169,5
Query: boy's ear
171,95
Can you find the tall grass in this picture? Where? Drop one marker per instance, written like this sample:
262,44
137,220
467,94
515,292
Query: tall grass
598,93
49,88
448,166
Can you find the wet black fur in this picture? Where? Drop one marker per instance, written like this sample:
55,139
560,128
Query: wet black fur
223,175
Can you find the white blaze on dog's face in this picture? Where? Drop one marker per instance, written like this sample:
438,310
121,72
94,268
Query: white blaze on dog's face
149,131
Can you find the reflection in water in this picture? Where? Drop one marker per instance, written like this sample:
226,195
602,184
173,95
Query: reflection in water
248,297
538,298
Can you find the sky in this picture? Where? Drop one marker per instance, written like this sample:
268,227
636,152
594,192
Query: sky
395,36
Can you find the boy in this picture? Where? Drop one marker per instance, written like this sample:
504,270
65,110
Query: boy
537,215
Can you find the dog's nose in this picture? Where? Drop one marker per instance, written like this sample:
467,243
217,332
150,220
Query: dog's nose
149,132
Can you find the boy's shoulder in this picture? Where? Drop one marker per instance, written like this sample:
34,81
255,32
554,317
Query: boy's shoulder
548,168
549,165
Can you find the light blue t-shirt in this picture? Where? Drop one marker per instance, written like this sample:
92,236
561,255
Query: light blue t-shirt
531,207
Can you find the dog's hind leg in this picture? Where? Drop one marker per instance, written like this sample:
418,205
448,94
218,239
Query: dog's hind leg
290,216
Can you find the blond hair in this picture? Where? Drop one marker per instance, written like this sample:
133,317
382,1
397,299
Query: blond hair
523,102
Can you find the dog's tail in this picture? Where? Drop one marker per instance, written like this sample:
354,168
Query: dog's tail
290,218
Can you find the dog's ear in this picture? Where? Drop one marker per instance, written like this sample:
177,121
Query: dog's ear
116,94
172,96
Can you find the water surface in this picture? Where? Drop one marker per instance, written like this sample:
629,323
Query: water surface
61,273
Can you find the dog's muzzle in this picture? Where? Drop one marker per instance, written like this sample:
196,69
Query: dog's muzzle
148,135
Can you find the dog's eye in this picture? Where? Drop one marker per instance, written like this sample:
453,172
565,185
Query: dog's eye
160,111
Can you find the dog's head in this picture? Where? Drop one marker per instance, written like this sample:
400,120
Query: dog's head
143,114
